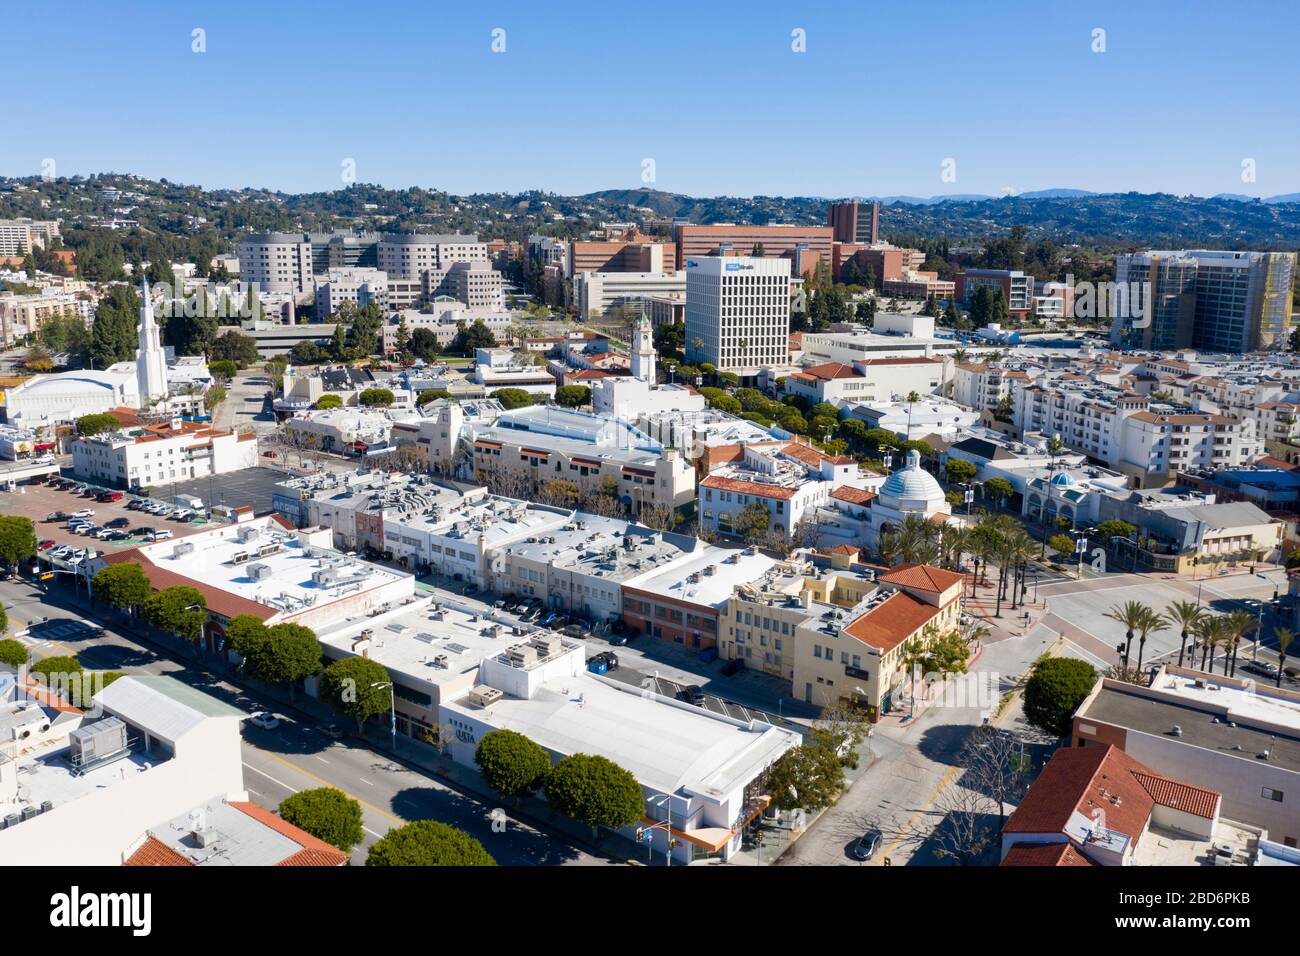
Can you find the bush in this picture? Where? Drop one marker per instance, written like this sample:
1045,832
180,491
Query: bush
1054,692
327,814
511,398
428,843
376,398
13,653
97,424
329,400
223,368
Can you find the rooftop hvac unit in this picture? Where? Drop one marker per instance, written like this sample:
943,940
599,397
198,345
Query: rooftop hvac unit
239,557
269,548
182,548
484,695
710,570
521,655
247,534
96,741
324,577
259,572
546,645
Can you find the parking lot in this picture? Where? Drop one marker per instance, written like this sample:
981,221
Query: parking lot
35,501
251,486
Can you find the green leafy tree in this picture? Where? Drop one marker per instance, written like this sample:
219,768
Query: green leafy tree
326,813
428,843
999,488
17,539
113,337
4,620
235,347
809,776
356,687
752,522
959,471
376,398
433,395
97,424
1054,692
284,654
475,336
511,398
224,369
573,396
50,668
1114,528
595,791
511,764
179,609
329,400
123,586
1062,544
13,653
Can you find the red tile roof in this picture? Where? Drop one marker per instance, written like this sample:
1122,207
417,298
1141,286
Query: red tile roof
153,852
1045,854
854,496
812,455
923,577
891,622
314,852
832,370
747,487
843,549
1103,782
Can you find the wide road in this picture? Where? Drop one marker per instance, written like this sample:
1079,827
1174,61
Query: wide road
294,756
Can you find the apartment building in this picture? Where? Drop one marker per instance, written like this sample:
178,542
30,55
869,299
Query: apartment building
802,246
158,454
18,237
1017,288
985,387
632,255
738,312
358,286
23,315
854,221
853,262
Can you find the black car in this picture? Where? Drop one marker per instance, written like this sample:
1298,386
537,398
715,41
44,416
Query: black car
865,846
140,532
117,523
694,694
117,535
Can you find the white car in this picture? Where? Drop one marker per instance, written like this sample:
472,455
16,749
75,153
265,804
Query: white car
160,535
264,719
83,513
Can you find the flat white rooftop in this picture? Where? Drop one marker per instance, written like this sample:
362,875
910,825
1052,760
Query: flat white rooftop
666,745
1256,702
431,646
50,777
272,568
729,568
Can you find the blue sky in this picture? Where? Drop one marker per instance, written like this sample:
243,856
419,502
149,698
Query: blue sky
712,92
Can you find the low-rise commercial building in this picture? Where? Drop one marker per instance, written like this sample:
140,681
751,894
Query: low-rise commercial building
157,454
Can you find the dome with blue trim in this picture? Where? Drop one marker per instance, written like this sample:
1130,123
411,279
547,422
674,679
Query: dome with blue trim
912,482
1062,480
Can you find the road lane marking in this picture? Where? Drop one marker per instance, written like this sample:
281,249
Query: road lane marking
325,783
323,760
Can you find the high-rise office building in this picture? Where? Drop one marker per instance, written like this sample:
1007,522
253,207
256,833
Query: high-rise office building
1239,301
855,221
738,312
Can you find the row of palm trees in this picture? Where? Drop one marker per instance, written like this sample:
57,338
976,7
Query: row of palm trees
994,539
1208,632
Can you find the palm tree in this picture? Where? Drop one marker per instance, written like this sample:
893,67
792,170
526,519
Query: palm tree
1206,629
1131,614
915,657
1284,639
1238,626
1021,550
912,398
1151,621
1185,614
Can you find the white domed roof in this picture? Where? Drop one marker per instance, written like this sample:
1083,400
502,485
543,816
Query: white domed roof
912,482
1062,480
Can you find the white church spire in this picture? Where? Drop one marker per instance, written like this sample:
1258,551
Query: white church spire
643,350
150,359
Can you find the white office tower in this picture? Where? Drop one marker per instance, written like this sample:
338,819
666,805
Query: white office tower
643,350
150,359
738,312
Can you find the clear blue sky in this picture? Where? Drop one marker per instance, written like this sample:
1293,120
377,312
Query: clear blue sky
710,91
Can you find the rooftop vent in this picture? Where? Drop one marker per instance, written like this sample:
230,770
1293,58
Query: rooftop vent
259,572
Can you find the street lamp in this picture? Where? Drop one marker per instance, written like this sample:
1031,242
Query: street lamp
644,833
392,696
968,496
1080,546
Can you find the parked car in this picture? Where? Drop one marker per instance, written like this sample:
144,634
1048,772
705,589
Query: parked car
60,552
470,589
140,532
264,719
574,630
117,535
57,516
83,513
162,534
1262,668
865,846
103,533
269,454
109,496
46,544
332,731
117,523
618,640
185,514
135,504
692,694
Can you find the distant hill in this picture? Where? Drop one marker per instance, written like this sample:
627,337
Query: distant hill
180,220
